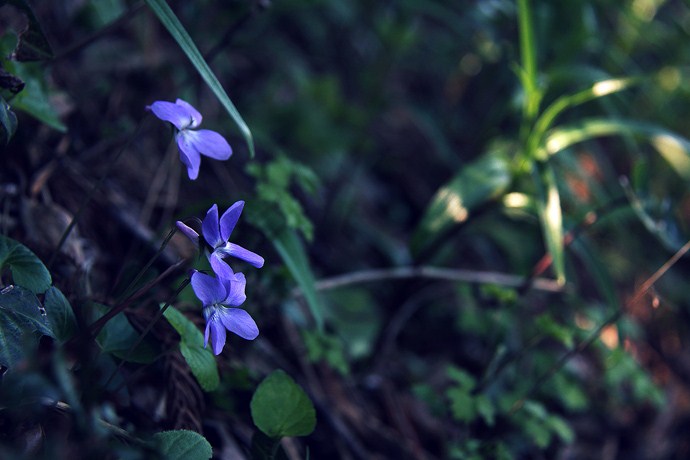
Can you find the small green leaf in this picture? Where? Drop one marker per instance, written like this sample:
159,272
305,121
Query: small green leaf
485,178
461,404
183,445
281,408
200,360
60,314
27,270
167,17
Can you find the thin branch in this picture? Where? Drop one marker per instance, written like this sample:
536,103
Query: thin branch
437,273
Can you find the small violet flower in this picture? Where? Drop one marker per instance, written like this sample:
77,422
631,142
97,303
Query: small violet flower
192,143
217,233
218,296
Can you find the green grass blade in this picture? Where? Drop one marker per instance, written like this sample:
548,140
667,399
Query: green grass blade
551,217
674,148
170,21
290,248
528,57
547,118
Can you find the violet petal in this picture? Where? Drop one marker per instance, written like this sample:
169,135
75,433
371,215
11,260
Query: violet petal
193,113
208,289
217,332
210,143
209,227
178,115
235,286
220,268
188,232
238,321
248,256
229,219
189,155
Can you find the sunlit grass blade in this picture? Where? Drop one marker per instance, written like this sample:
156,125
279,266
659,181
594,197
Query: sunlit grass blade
170,21
550,215
674,148
547,118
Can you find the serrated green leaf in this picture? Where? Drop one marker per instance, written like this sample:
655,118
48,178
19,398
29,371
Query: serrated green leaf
60,314
167,17
200,360
475,184
27,269
281,408
183,445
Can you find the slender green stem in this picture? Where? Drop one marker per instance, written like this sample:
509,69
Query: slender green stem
528,57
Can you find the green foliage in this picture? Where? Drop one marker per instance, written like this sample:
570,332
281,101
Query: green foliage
541,426
27,270
281,408
464,404
291,250
273,187
200,360
326,347
183,445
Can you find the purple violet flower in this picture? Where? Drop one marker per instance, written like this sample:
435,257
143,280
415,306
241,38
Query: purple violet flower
218,295
217,233
192,143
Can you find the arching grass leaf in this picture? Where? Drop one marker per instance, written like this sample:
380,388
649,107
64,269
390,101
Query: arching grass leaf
169,20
